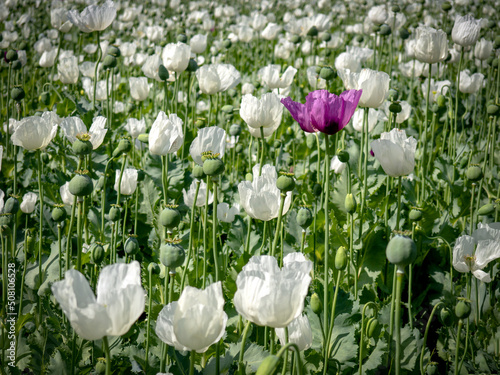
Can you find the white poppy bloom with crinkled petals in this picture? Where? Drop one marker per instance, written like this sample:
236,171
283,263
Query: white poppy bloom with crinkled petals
94,17
466,30
119,303
265,113
139,88
225,213
395,152
271,76
194,322
299,333
431,45
73,126
166,136
129,181
34,132
473,253
373,83
261,197
270,296
202,193
28,204
211,139
176,56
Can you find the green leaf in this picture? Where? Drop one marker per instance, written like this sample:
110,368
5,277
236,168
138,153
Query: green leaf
410,345
375,358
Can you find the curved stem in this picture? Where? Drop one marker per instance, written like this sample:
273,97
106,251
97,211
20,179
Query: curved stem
422,371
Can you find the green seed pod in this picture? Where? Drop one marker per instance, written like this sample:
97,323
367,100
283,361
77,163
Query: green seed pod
82,147
487,209
238,148
304,218
170,217
395,107
343,156
462,309
492,109
192,66
45,98
81,185
109,62
401,251
446,6
227,43
228,108
359,38
114,51
341,258
17,65
23,46
11,206
150,51
124,146
317,189
58,213
431,368
144,137
163,72
404,33
295,39
327,73
316,305
198,172
172,255
97,253
285,182
474,173
446,317
313,31
385,30
131,246
396,8
114,213
182,38
269,365
17,93
154,268
5,220
11,55
376,28
235,130
350,203
415,214
371,327
213,167
325,36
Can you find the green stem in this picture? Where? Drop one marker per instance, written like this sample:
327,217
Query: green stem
214,231
422,371
241,368
424,139
79,228
455,117
103,198
40,234
191,362
330,331
361,342
399,203
326,182
191,239
472,208
96,76
105,348
262,150
397,327
278,225
457,345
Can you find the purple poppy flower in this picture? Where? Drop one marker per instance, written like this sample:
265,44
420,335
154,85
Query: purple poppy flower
324,112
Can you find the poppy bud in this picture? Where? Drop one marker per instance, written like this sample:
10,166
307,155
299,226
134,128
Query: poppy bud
235,130
11,205
343,156
371,327
58,213
415,214
11,55
385,30
109,62
446,317
182,38
316,305
114,213
304,217
114,51
327,73
403,33
123,147
446,6
97,253
350,203
192,66
17,93
45,98
340,258
285,182
295,39
144,137
313,31
462,309
154,268
474,173
163,72
269,365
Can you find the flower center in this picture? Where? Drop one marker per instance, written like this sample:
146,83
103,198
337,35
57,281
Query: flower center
470,260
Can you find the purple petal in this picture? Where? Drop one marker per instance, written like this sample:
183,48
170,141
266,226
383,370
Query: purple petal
299,113
351,99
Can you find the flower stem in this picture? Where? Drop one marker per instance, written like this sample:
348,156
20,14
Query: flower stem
191,239
361,341
397,328
330,330
105,348
241,365
278,226
96,76
399,203
457,345
148,330
326,181
103,198
422,371
214,231
262,150
79,228
191,362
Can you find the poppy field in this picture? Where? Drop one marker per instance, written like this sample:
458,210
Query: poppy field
294,187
